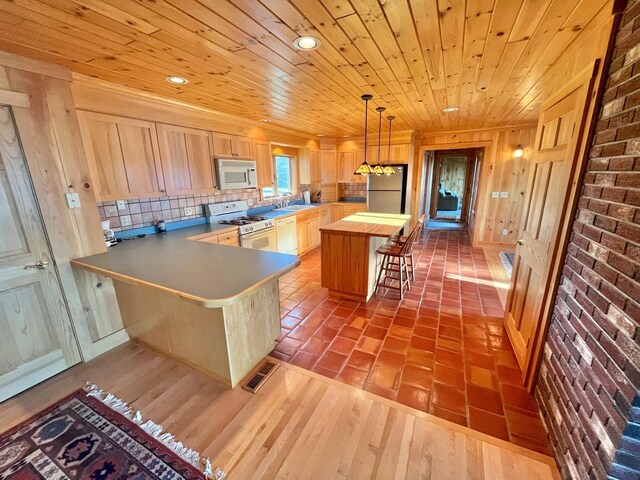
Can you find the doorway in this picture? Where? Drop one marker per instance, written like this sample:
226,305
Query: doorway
36,337
452,179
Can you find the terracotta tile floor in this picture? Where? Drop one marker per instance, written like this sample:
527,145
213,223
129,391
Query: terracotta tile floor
442,349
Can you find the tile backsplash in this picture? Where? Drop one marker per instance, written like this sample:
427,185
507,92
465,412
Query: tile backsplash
143,212
352,190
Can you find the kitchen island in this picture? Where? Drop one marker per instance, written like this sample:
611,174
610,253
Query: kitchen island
214,307
350,263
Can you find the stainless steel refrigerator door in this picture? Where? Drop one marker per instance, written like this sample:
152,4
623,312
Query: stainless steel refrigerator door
383,182
384,201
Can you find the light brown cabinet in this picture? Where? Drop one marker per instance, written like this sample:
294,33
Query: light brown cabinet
123,156
308,226
342,210
328,166
227,238
264,163
187,160
232,146
316,169
346,167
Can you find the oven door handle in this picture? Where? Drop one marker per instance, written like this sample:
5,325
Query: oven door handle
258,233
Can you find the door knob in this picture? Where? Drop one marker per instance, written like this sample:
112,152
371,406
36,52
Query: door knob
40,265
518,242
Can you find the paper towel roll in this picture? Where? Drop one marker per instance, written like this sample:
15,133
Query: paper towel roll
307,197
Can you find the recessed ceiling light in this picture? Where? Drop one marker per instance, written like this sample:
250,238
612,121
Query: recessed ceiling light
306,43
177,80
320,135
450,109
265,120
345,136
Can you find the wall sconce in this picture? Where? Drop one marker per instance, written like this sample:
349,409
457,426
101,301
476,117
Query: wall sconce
518,152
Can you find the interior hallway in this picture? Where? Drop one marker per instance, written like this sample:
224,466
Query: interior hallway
442,350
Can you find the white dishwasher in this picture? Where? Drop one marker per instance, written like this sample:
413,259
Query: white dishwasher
287,237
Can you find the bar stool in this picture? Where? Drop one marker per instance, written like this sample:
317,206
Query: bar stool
393,271
398,240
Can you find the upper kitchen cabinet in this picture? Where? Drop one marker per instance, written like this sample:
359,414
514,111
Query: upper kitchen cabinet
316,169
346,167
264,163
187,159
123,156
399,153
328,166
232,146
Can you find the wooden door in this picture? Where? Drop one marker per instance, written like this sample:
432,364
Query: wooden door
328,167
187,160
242,147
123,156
264,163
555,156
36,337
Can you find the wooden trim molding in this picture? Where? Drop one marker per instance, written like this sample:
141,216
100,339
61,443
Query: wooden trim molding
14,99
34,66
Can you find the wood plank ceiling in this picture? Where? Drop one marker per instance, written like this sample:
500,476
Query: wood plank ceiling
417,57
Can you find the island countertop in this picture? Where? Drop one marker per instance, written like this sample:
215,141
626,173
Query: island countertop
369,224
207,274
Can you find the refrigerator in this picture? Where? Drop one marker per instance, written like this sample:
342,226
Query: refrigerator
386,194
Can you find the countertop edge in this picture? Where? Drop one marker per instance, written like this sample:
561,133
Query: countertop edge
204,302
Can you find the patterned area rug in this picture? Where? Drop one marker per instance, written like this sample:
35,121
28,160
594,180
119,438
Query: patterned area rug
95,436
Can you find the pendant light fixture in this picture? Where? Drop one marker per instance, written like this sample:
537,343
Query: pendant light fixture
378,170
365,168
388,169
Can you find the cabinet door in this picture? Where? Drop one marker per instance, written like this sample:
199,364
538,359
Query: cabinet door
345,167
264,163
223,145
187,160
302,234
304,166
400,153
328,166
314,232
123,156
316,173
242,147
229,238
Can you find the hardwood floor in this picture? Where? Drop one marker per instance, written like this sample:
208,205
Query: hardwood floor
299,425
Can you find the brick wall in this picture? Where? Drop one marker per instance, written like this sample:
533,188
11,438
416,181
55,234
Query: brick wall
590,373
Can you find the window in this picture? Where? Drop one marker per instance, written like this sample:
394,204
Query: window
283,168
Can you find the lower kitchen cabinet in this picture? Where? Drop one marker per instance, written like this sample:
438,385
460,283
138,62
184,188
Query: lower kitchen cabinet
228,238
303,235
308,225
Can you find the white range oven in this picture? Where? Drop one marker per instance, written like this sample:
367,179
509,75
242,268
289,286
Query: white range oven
236,173
255,231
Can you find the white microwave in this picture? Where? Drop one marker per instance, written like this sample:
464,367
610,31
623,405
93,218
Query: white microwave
236,173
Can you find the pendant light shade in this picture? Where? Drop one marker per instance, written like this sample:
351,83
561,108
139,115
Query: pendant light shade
388,169
378,169
365,168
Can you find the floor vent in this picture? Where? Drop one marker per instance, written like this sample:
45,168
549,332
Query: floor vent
260,377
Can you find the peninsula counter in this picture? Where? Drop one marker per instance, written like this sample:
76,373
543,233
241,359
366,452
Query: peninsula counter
214,307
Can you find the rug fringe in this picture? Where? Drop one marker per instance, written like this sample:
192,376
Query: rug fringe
156,431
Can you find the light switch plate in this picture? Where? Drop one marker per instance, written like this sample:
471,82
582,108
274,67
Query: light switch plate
505,232
73,200
495,194
121,204
504,194
188,210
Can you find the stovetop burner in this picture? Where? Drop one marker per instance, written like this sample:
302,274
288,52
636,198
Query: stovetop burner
252,218
235,221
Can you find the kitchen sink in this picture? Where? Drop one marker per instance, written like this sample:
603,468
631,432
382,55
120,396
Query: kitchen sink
294,208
